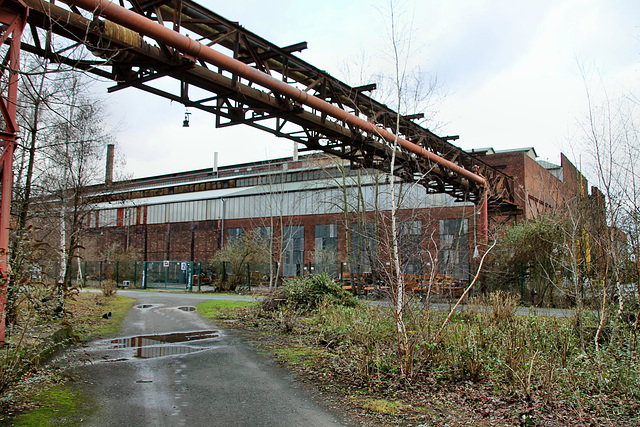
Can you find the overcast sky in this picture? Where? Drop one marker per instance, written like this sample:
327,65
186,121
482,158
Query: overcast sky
509,73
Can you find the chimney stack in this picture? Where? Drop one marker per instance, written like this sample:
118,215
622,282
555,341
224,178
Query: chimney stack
108,179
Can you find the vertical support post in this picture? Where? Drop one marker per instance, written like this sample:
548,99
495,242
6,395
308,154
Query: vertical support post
249,276
14,16
100,275
144,275
166,275
483,222
224,271
135,272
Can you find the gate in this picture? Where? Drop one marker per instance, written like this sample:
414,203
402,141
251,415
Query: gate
167,275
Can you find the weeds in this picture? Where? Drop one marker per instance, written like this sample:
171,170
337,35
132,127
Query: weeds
109,288
534,359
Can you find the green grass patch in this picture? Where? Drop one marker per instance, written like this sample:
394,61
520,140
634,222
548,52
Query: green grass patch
299,355
86,314
383,406
224,309
58,406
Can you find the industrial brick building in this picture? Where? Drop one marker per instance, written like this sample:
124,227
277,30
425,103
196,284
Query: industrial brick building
320,212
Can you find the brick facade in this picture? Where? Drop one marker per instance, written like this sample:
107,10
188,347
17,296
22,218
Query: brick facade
538,188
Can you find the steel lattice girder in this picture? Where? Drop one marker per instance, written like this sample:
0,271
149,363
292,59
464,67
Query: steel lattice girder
132,62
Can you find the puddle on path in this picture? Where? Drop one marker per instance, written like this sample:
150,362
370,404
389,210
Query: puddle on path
188,308
159,345
142,306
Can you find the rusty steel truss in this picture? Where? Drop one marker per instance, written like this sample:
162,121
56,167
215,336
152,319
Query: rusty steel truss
124,56
241,78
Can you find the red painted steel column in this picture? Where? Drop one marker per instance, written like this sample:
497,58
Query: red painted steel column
14,16
483,222
191,47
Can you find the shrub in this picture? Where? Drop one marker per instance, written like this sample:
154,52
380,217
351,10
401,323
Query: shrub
308,293
109,288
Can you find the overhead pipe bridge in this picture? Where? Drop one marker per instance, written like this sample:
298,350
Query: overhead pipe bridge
257,84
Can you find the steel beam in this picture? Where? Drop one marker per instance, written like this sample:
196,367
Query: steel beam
191,47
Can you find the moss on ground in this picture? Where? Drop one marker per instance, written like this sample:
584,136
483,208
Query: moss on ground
57,406
60,404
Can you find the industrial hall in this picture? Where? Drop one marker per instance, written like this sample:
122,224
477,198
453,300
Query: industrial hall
314,213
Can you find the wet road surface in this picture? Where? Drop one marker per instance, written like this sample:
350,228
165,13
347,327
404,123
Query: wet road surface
170,367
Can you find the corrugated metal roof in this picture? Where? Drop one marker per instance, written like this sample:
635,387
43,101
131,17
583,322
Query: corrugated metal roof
173,198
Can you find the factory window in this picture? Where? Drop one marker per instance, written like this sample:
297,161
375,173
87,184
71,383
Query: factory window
293,249
363,247
410,241
454,248
326,249
234,233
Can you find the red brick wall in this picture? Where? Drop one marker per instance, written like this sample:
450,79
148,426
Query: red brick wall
152,239
200,237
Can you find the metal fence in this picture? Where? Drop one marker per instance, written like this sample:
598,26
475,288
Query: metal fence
221,275
94,273
167,274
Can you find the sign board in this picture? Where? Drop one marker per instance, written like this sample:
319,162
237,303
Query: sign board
183,266
165,263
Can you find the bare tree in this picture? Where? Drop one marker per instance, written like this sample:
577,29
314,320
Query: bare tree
609,137
75,145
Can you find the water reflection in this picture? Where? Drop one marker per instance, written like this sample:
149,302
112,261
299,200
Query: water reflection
148,346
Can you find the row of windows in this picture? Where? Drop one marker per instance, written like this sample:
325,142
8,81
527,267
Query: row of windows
453,250
281,178
305,202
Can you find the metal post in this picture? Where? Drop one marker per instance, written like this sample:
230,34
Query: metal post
100,275
117,272
135,272
484,222
144,275
166,275
224,272
14,17
248,276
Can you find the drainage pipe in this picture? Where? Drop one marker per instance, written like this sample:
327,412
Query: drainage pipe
191,47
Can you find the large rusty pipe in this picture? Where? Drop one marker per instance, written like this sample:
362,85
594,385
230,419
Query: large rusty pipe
191,47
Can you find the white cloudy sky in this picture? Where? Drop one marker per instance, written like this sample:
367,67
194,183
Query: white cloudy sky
509,72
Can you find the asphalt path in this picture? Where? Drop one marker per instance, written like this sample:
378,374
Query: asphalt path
171,367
